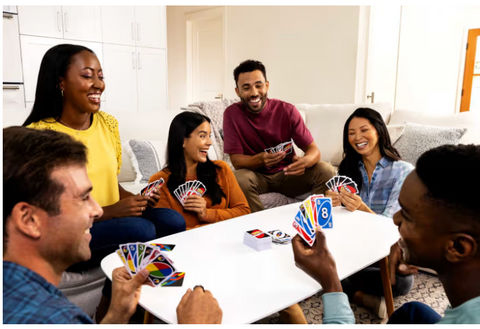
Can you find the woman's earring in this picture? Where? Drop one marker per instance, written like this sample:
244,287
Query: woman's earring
61,90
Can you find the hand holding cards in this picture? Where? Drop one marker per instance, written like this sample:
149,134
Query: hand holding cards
189,188
137,256
148,190
337,183
313,211
286,147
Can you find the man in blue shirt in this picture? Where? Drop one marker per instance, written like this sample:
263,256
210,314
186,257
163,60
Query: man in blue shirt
439,225
47,216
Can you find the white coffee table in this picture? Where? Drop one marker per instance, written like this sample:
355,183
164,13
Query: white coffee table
251,285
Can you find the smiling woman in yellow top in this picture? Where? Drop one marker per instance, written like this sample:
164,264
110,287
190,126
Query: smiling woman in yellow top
67,100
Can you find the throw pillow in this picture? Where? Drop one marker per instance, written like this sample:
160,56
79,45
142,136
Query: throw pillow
395,132
418,139
145,156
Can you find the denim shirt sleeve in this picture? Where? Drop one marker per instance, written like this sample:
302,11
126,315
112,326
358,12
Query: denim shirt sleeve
336,309
392,204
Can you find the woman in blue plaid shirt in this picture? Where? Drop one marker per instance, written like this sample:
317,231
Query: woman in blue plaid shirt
376,167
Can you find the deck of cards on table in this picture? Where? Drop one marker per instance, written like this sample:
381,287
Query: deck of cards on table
137,256
280,237
147,190
286,147
337,183
189,188
257,240
314,210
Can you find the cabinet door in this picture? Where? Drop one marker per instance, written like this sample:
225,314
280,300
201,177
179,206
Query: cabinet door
44,21
82,23
33,50
152,80
118,25
10,9
150,26
120,71
12,65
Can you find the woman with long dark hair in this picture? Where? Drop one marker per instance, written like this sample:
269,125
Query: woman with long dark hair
187,160
67,99
375,165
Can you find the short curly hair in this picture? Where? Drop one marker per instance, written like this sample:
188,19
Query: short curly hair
249,65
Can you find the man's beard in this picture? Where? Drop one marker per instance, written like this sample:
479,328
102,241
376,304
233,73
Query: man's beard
263,100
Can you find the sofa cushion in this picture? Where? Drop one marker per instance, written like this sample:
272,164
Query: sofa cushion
418,139
146,158
127,174
326,121
469,120
395,131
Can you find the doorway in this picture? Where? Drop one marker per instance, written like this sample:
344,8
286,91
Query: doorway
471,76
205,55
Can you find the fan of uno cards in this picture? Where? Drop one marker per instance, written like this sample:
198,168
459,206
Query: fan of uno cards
337,183
313,211
189,188
286,147
137,256
150,187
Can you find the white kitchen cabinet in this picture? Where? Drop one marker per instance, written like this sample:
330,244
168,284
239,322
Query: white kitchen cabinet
82,23
151,80
69,22
10,9
41,21
12,63
150,26
120,72
14,112
118,25
33,50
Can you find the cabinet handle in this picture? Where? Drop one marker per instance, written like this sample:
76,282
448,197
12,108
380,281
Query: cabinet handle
138,32
133,59
133,32
7,16
58,22
65,18
139,63
11,87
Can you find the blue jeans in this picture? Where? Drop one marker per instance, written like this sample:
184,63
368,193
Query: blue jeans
414,313
107,235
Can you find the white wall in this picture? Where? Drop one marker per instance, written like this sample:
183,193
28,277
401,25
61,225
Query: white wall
432,55
310,52
177,49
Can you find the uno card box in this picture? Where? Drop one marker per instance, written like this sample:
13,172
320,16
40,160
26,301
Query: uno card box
257,240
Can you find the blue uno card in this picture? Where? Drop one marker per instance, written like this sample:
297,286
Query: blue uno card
133,253
307,223
302,222
324,212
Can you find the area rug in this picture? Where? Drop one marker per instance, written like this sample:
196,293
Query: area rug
426,289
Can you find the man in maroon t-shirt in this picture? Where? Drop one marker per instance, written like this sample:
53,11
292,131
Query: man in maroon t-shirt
258,123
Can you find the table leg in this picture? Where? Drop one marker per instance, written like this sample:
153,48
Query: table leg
387,286
148,318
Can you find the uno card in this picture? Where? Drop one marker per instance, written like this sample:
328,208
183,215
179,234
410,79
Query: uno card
140,254
288,147
175,280
301,232
164,247
279,236
160,269
258,234
128,259
132,247
308,208
120,254
324,210
306,224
